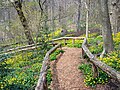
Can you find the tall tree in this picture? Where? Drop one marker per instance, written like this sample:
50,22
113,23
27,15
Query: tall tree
114,13
18,6
87,17
53,15
106,26
60,12
78,21
118,15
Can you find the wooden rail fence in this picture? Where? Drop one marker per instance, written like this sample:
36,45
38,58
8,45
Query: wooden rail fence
42,82
68,38
98,64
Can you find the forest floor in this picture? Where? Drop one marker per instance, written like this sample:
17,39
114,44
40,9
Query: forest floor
65,72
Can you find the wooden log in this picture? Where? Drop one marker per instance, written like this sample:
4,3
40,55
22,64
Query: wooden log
42,84
86,50
95,70
20,50
83,53
62,38
110,71
23,48
53,49
7,45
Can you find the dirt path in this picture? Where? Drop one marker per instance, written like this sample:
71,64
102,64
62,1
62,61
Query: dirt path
66,75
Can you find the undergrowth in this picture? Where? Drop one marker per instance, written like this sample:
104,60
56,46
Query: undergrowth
20,72
113,58
89,79
53,56
49,77
77,44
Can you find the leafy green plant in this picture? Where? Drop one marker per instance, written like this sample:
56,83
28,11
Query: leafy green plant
88,74
112,59
95,49
49,77
117,41
96,44
20,72
77,44
56,33
53,56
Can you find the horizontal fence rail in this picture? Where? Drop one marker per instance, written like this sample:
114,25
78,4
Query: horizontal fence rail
33,46
97,63
63,38
42,83
22,47
7,45
68,38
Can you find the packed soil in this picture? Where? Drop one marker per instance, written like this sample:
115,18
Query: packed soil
67,76
65,72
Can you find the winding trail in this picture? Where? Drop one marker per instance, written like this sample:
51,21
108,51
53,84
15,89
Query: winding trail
66,75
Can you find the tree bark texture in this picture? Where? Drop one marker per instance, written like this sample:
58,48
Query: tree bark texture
18,7
106,26
78,21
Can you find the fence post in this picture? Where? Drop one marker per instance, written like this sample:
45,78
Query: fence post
73,41
65,41
60,47
83,53
45,86
95,70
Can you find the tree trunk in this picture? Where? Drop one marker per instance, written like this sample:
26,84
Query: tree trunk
46,15
115,15
60,9
18,7
78,21
106,26
53,22
118,15
87,17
